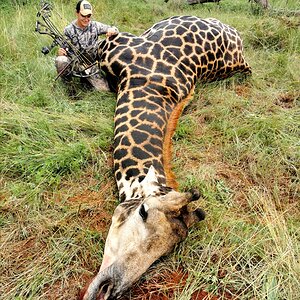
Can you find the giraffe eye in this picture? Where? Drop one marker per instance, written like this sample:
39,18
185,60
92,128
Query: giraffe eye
143,213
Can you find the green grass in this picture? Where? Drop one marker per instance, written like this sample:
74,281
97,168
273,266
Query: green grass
237,142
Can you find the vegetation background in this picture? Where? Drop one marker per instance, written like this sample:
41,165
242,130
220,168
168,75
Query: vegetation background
237,142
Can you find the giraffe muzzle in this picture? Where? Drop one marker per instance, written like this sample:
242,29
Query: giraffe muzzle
105,289
107,285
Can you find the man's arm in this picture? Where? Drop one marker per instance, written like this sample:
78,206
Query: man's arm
107,29
63,50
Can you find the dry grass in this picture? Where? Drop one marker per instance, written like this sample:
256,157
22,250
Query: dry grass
237,142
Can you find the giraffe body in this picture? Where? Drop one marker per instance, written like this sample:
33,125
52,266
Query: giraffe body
154,75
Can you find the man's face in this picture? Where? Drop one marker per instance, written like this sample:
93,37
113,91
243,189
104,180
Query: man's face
83,21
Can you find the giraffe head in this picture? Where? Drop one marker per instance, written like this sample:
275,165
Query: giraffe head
142,231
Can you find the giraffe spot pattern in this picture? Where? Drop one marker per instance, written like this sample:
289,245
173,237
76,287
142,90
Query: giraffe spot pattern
152,74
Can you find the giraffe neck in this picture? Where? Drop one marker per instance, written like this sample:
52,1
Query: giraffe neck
154,75
149,102
143,132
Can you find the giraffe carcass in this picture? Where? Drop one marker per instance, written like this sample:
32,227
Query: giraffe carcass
154,76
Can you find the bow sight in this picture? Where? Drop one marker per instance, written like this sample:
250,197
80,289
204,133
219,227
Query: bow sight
80,63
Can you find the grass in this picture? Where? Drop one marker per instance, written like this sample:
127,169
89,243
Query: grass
237,142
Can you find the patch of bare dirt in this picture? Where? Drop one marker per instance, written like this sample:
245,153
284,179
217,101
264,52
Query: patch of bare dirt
287,100
243,90
88,196
98,220
164,286
4,194
23,251
64,289
160,286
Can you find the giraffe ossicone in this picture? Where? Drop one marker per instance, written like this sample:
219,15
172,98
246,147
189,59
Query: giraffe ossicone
149,185
154,76
136,189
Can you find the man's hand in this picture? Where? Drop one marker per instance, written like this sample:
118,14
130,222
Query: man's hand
112,31
61,52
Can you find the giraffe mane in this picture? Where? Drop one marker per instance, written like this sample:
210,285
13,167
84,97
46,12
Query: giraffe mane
167,144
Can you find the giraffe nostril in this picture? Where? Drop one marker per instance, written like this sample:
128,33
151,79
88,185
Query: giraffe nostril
105,290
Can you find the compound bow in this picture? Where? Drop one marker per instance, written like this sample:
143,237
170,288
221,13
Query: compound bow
80,64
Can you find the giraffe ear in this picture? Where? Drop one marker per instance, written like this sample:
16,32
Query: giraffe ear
149,183
150,177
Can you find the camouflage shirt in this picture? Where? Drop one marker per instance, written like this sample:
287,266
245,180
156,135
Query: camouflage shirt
87,37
